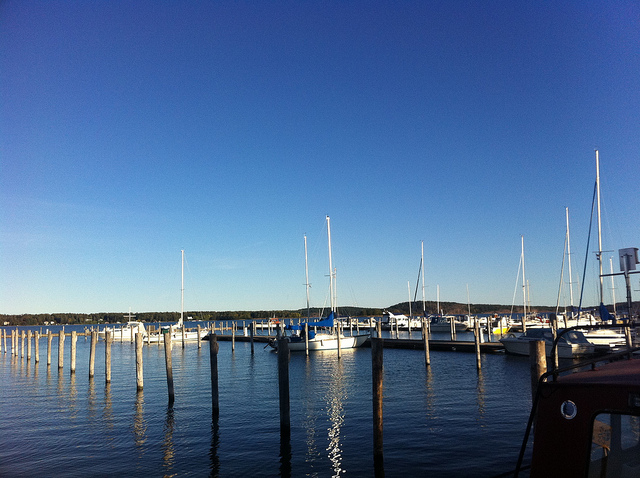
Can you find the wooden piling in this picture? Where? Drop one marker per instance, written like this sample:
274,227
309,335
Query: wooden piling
36,343
252,327
22,340
167,358
139,374
537,362
425,338
476,338
74,339
49,340
213,360
199,340
377,371
234,326
107,356
92,353
306,338
61,349
28,346
4,340
338,328
283,386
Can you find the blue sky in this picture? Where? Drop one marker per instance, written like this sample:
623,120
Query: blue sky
132,130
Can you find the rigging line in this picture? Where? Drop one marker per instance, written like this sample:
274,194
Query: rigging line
415,294
515,289
586,255
561,276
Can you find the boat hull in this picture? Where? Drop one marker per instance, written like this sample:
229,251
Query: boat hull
326,342
520,346
177,336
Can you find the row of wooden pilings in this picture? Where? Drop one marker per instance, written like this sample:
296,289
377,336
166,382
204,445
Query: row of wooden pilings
537,360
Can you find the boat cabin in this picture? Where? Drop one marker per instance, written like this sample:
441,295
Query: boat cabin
588,423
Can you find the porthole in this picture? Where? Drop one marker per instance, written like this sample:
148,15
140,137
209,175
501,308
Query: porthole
568,409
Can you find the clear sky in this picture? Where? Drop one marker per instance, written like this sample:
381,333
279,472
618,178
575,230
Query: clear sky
132,130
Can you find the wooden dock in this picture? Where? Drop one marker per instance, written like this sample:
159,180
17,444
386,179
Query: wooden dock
411,344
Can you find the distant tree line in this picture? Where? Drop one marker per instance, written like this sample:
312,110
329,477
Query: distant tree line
453,308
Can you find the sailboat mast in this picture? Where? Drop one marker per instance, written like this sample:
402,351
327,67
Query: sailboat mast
182,291
422,261
330,267
306,272
524,283
599,221
613,286
569,257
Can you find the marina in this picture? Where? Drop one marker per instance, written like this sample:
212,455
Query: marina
52,417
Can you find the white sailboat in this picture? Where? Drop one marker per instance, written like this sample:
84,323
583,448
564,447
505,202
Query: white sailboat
178,330
127,331
327,338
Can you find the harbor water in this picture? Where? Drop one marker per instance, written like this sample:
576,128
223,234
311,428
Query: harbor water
441,421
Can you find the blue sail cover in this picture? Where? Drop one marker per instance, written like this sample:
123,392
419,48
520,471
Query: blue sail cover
328,322
604,313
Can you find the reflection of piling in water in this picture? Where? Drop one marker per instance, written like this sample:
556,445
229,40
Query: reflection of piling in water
213,361
167,358
377,371
168,451
139,425
285,455
213,452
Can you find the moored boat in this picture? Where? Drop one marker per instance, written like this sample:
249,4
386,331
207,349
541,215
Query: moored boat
330,337
326,339
126,331
442,323
571,345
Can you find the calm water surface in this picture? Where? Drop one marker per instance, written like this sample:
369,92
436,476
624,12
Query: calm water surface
445,421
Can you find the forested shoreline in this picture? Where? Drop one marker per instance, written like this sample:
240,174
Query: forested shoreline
114,317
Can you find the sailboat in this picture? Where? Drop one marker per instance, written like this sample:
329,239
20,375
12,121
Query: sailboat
127,331
327,338
178,330
612,337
